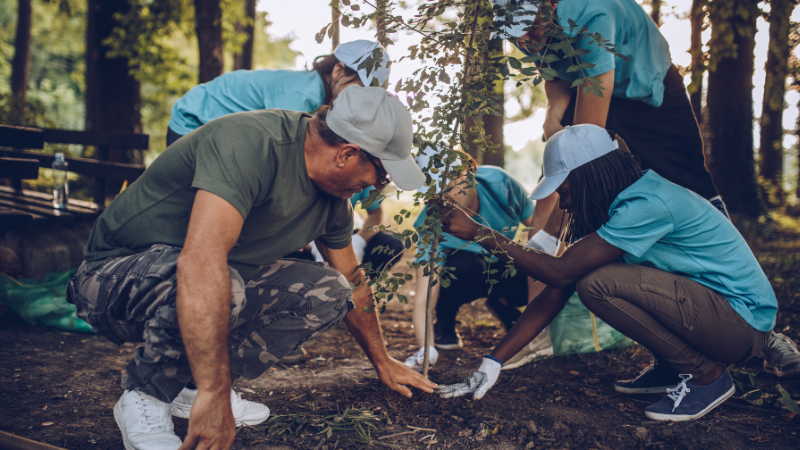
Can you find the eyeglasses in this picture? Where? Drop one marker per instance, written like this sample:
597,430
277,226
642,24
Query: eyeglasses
383,177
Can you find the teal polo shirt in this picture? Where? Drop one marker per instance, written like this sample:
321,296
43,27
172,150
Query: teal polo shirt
361,196
634,34
662,225
247,90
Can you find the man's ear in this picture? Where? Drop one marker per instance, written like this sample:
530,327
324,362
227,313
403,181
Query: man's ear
348,154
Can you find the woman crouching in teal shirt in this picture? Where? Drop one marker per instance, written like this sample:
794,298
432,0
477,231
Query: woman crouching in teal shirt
652,259
252,90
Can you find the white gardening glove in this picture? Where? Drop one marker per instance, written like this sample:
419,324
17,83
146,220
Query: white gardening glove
544,242
316,253
476,384
359,244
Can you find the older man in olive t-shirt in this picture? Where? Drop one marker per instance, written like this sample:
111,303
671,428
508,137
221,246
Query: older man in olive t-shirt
187,260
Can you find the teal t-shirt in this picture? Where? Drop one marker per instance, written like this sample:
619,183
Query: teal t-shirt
361,196
663,225
247,90
504,203
634,34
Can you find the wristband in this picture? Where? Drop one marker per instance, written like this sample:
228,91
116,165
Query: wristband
494,359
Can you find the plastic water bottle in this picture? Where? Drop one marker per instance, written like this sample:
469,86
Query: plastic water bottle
60,186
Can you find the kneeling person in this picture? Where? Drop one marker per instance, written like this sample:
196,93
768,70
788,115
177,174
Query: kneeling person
187,260
688,276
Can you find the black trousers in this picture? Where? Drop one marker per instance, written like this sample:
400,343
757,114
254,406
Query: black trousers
471,283
378,260
666,139
172,136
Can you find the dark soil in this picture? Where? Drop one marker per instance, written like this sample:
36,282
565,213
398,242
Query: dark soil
60,388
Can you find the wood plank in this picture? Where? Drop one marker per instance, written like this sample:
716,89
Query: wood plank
80,205
19,168
16,219
130,141
81,214
55,215
21,137
84,166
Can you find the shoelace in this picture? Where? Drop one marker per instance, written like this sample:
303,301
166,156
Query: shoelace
152,415
678,392
788,349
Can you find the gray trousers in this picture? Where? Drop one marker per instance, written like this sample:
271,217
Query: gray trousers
682,322
132,299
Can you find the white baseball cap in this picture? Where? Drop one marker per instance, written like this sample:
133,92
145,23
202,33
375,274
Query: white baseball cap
375,119
423,158
524,11
352,54
569,149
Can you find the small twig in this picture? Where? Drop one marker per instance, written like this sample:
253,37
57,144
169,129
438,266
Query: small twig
422,429
299,396
397,434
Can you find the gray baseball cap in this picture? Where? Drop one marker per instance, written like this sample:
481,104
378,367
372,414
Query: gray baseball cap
569,149
375,119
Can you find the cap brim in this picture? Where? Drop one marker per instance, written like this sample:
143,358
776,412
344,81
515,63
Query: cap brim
548,185
405,173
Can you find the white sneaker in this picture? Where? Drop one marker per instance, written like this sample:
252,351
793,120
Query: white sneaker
416,360
540,346
145,422
244,412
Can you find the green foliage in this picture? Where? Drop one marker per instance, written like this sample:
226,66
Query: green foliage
457,86
729,19
312,420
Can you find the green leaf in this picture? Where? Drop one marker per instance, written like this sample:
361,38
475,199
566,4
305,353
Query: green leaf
548,58
355,8
577,82
573,68
515,63
546,71
787,401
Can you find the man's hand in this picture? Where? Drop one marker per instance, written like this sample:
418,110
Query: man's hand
476,384
211,423
396,376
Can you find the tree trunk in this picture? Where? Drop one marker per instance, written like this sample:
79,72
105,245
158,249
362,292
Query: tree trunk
208,24
492,125
22,56
380,22
244,59
771,146
656,12
698,66
730,104
335,16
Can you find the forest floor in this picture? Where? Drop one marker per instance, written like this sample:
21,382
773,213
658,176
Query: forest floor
60,388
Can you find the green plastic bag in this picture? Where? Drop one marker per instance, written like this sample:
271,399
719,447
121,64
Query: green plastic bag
43,304
571,331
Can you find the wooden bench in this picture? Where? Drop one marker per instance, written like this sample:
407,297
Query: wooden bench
20,208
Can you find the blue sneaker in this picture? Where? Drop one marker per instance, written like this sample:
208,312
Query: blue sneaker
689,402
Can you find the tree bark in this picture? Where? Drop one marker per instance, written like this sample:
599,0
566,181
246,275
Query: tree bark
208,24
380,22
244,59
335,16
730,105
656,12
22,56
492,125
698,65
771,146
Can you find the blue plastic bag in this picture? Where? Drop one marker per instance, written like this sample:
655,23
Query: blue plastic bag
43,304
571,331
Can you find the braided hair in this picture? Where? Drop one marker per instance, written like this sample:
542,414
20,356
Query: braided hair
594,186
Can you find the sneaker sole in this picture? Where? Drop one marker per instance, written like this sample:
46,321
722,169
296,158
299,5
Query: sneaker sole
685,417
650,390
182,410
528,358
458,346
769,368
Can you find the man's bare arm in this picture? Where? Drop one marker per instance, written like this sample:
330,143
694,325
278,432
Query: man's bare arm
557,93
203,304
373,220
590,108
365,327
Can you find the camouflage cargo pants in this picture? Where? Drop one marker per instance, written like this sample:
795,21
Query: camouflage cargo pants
132,299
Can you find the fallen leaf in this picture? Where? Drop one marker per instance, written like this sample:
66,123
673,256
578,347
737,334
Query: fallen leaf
47,424
574,372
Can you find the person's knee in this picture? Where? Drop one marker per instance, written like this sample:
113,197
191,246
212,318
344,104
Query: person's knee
593,286
330,295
